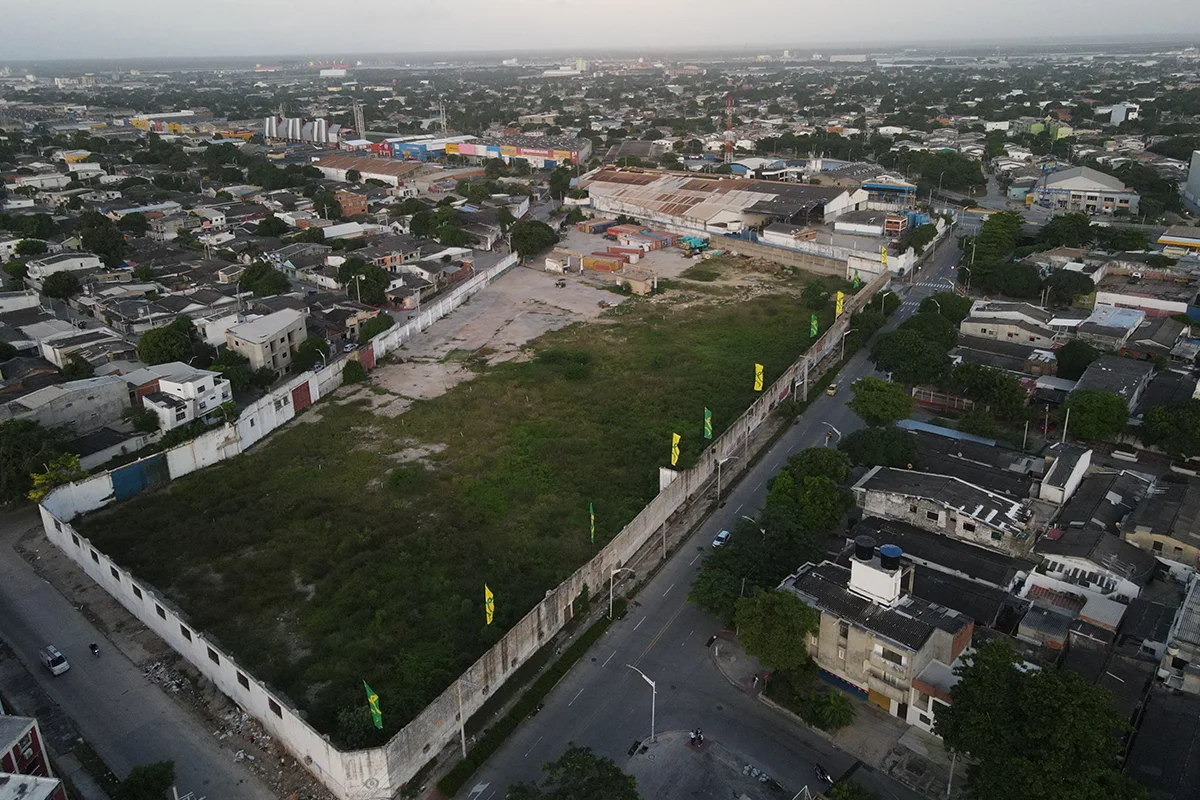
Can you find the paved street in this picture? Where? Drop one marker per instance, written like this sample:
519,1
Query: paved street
127,719
605,705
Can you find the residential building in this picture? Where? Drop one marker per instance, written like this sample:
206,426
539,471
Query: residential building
946,505
1153,296
84,404
1066,464
1102,500
178,393
1109,326
39,269
95,346
1178,240
873,638
351,203
1180,665
1166,523
1124,377
25,772
389,252
269,341
1096,562
1086,190
1015,330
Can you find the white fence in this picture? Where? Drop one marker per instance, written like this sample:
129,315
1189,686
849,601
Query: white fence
380,772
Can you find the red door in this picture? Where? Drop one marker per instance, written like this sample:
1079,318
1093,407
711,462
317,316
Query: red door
366,357
301,397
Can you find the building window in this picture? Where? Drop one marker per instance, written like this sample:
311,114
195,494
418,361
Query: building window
997,536
115,574
1178,663
844,629
1157,546
159,610
57,525
924,719
912,509
812,639
213,656
95,557
892,656
933,515
275,709
969,527
243,680
842,653
137,592
75,539
186,633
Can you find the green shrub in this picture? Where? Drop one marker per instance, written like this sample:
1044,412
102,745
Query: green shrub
353,372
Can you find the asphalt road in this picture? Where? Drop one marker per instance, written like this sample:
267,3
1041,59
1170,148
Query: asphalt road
127,719
605,705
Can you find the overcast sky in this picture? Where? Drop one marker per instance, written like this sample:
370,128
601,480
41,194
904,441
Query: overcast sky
43,29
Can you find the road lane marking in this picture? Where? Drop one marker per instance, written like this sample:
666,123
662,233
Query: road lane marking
694,560
654,641
739,508
610,658
685,639
640,621
757,485
576,697
530,750
669,588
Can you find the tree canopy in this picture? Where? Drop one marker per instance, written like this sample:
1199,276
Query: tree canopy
1032,732
578,774
910,357
147,782
62,285
102,238
530,237
25,447
375,326
1094,414
264,280
951,305
1174,427
884,446
880,402
1073,359
774,626
177,341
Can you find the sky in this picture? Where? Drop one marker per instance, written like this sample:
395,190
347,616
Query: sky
75,29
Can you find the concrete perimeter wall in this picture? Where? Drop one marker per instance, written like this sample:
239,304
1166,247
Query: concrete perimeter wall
811,262
378,773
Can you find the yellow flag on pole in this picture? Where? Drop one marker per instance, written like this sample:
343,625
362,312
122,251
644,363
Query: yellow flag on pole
841,297
758,377
489,603
883,255
674,449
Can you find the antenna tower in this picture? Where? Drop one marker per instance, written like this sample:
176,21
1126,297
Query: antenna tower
729,128
442,113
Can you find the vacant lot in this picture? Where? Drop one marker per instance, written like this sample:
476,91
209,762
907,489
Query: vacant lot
356,547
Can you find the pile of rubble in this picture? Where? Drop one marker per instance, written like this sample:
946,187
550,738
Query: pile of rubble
255,749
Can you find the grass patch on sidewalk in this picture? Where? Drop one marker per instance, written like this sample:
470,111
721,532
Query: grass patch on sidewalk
357,547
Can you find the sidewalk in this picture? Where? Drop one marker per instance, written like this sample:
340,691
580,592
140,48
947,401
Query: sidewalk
879,740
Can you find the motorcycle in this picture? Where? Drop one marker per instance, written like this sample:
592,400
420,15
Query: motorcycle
95,650
823,775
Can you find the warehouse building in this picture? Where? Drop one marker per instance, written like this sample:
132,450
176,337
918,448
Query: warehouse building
542,152
1086,190
714,205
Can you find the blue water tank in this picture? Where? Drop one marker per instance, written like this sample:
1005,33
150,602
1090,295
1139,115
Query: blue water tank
889,556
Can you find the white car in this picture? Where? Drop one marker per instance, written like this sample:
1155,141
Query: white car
55,661
721,539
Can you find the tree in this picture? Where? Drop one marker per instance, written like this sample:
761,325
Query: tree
935,328
530,237
422,224
353,372
453,236
910,357
822,504
1067,230
1065,286
917,238
15,270
1175,427
996,390
135,223
77,367
141,418
311,351
62,469
849,790
25,446
1094,414
7,351
175,341
950,305
819,462
30,247
62,285
353,175
774,627
106,242
888,447
312,235
880,402
505,219
375,326
560,182
579,774
147,782
271,225
1073,359
1032,732
264,280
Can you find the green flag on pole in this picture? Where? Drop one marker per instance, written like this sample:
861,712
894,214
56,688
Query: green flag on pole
373,701
707,424
592,515
857,280
812,326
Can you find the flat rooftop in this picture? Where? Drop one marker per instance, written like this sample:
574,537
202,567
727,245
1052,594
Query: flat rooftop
1181,291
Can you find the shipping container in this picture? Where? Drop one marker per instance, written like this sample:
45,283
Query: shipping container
603,263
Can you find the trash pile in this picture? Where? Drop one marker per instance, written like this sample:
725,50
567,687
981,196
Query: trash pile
258,751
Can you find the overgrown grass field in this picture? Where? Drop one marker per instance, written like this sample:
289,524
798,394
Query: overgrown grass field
328,555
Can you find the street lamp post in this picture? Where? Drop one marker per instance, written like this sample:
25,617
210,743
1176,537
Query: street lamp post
611,574
761,529
968,269
653,698
835,430
844,335
720,463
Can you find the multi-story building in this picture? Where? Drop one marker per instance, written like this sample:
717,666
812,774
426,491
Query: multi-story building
1086,190
1165,522
874,639
947,505
181,393
1180,665
39,269
25,772
269,341
352,203
85,404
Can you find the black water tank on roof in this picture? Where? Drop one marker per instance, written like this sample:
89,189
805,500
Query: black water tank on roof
889,556
864,548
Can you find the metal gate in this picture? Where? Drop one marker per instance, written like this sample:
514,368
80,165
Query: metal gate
301,397
134,478
366,357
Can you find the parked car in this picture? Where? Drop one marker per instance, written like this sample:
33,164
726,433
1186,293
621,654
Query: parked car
721,539
831,389
54,660
349,347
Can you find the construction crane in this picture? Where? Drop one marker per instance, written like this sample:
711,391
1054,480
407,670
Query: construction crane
360,125
729,128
